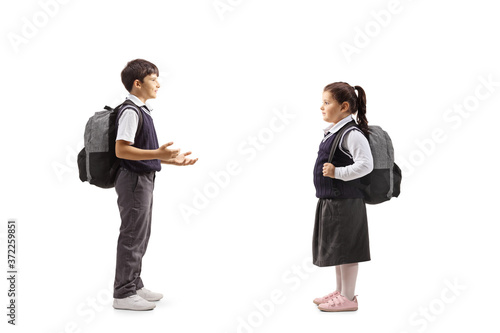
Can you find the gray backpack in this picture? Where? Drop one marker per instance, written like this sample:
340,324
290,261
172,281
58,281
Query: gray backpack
384,182
97,161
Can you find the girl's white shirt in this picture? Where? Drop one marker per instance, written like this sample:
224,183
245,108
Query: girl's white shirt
354,144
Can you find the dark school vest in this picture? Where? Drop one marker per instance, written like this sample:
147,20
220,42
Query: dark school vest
332,188
145,139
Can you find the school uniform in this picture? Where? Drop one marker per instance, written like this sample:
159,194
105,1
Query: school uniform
341,227
134,186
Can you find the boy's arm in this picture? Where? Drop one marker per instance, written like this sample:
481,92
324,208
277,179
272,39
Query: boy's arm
125,151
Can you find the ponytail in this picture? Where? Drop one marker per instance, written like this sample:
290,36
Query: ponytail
361,106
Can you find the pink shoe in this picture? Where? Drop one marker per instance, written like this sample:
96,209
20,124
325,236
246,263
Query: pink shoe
326,298
339,303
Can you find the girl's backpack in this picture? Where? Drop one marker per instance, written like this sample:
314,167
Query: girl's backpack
97,161
384,182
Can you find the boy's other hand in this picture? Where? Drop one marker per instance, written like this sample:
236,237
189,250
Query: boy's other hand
165,154
182,160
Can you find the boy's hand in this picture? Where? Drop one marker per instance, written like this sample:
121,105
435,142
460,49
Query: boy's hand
329,170
182,160
165,154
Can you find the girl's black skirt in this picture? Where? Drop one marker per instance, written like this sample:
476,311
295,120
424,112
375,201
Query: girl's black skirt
340,232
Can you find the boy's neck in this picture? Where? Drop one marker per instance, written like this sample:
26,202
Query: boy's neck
142,99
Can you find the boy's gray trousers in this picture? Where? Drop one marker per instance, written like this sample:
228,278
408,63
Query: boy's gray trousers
135,202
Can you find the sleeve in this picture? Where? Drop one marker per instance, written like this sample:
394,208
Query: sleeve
127,126
356,145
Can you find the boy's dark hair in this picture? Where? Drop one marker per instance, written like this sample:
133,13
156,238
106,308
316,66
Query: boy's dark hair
137,69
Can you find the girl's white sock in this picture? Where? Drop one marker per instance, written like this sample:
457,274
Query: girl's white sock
339,278
349,274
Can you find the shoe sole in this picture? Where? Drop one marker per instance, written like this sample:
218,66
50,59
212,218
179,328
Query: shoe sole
131,309
340,310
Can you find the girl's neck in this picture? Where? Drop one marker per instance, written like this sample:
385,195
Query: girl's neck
339,120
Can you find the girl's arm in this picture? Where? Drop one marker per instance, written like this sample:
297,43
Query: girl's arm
356,145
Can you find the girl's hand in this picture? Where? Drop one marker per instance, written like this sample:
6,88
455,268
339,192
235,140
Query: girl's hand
329,170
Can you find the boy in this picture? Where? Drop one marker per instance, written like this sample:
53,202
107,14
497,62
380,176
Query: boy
141,159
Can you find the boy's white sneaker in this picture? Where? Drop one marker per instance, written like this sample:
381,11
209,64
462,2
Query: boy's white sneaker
149,295
133,302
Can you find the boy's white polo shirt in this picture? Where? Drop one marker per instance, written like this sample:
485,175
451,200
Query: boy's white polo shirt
129,120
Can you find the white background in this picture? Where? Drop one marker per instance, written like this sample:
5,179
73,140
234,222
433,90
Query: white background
222,77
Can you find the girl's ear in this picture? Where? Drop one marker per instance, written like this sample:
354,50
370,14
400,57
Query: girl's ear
344,107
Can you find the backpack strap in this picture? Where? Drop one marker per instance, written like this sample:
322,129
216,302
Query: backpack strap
340,135
353,128
131,105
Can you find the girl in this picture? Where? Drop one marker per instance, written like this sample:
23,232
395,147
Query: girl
340,236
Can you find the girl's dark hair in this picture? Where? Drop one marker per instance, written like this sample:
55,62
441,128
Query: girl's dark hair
343,92
137,69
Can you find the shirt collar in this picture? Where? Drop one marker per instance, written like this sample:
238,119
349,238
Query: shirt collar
138,102
335,127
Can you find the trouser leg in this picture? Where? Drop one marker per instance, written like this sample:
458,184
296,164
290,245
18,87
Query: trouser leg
135,198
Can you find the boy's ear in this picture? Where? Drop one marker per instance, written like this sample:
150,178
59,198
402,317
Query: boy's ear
137,83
